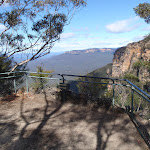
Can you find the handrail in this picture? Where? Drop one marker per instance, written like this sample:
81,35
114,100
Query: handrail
8,77
42,77
110,79
142,95
136,87
6,73
25,72
34,72
91,77
70,75
101,83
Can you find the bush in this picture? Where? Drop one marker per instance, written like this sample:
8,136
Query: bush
131,77
7,84
140,63
147,38
40,82
91,87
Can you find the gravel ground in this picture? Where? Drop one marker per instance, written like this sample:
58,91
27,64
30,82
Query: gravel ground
42,122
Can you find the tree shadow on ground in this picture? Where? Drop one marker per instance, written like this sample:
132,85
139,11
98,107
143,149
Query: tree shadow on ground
106,116
37,138
142,128
7,132
104,128
110,130
8,98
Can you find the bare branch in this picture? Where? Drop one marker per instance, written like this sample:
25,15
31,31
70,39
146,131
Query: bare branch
14,51
4,31
33,57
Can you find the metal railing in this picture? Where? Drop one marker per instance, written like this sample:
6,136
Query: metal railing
27,81
87,90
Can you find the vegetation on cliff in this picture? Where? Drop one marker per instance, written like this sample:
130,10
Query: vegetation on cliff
142,64
102,72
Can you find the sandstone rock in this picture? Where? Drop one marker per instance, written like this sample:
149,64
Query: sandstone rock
125,57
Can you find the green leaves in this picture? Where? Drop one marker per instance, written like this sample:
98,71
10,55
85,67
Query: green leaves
12,18
143,11
78,2
5,63
50,25
12,40
41,70
141,64
131,77
39,82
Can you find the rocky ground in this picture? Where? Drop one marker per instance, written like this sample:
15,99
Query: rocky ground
42,122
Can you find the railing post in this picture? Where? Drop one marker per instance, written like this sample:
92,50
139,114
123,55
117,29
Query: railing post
63,78
132,100
113,101
15,84
27,85
63,91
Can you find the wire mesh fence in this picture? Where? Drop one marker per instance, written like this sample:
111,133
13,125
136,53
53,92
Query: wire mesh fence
81,88
121,95
140,114
37,84
87,91
25,82
7,85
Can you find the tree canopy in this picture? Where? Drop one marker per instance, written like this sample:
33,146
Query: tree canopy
143,11
33,26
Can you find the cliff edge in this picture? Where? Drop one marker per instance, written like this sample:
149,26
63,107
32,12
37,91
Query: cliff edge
133,58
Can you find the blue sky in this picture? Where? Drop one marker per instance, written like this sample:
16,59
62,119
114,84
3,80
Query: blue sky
103,24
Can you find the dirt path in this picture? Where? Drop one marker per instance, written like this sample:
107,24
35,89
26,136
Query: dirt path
41,122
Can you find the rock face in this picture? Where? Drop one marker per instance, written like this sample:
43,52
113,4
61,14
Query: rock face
125,57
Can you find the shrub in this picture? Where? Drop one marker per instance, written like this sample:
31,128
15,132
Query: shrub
7,84
40,82
131,77
140,63
91,87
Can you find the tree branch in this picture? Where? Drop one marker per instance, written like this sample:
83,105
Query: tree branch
4,31
33,57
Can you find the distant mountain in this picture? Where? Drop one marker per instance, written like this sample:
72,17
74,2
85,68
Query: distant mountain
22,56
78,62
91,50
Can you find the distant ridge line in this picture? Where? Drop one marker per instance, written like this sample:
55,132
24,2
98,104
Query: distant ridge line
91,50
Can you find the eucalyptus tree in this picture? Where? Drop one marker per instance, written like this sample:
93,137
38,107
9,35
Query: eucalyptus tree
34,26
143,11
